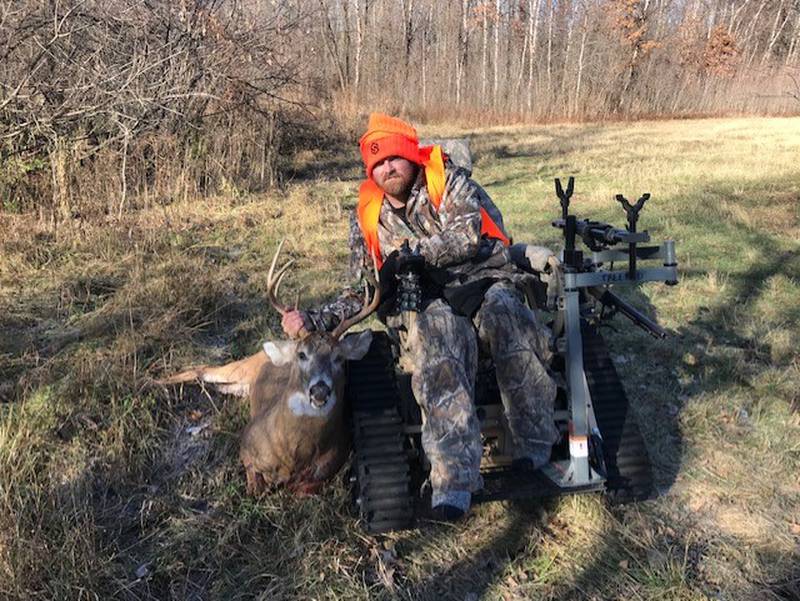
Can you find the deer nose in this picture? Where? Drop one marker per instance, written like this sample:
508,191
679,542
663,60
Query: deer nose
319,393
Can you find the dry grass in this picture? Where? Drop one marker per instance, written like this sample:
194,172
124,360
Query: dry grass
111,489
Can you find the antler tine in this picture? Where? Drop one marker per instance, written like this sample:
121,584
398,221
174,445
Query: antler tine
274,281
275,260
368,308
279,279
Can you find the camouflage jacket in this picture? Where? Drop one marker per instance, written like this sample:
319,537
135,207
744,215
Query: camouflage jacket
449,238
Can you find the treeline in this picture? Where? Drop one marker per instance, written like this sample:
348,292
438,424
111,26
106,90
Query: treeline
107,105
565,59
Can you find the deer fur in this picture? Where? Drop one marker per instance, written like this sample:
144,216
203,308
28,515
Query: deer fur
299,438
296,435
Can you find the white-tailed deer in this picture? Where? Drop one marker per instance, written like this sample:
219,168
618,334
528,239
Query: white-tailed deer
297,434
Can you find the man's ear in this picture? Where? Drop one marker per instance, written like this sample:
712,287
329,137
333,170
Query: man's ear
280,352
354,346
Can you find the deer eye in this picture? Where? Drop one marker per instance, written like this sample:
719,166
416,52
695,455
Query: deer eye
302,356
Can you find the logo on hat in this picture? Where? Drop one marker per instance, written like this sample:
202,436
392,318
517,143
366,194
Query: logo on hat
374,148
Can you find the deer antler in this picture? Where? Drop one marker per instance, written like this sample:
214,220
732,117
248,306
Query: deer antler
369,306
274,281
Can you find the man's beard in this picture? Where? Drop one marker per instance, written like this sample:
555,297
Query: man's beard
397,186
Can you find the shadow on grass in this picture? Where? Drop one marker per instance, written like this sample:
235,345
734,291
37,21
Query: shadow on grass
471,576
335,167
716,325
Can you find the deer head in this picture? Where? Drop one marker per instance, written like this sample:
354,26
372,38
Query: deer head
316,368
316,361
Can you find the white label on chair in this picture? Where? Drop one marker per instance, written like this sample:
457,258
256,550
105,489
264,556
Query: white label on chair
578,446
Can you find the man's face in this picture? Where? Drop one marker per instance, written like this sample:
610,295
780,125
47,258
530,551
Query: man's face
395,176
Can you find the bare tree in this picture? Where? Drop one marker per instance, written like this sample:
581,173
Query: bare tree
85,78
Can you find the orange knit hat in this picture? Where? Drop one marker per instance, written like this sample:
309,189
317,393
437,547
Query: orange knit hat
388,137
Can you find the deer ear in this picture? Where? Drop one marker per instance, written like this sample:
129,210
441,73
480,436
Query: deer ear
280,352
354,346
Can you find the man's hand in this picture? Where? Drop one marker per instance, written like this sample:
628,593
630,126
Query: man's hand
293,324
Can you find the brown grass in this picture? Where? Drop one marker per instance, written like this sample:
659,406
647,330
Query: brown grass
112,489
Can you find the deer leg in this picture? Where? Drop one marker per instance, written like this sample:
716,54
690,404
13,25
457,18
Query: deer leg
232,378
327,464
256,484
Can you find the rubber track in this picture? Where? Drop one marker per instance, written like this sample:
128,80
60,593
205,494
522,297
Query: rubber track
629,476
381,464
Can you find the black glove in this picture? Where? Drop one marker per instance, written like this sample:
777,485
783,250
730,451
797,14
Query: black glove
387,282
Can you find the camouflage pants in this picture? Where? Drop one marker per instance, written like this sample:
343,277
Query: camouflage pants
443,349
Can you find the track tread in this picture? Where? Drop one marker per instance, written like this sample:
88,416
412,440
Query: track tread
381,465
629,473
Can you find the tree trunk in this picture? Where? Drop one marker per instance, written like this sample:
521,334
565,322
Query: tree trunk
123,196
775,33
565,69
496,83
484,57
359,45
579,76
550,47
408,36
329,38
518,80
463,49
425,45
747,41
793,46
533,31
346,41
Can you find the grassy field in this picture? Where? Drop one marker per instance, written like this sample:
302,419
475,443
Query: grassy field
110,488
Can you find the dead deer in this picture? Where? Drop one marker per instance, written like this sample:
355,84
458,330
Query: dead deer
297,434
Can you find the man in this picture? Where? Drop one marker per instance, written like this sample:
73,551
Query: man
417,195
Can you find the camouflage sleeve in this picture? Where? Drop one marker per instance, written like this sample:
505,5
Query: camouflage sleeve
358,250
350,301
461,220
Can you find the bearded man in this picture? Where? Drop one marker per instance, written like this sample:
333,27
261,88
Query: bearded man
417,195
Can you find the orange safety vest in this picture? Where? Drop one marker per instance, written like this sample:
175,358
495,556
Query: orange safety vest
370,199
